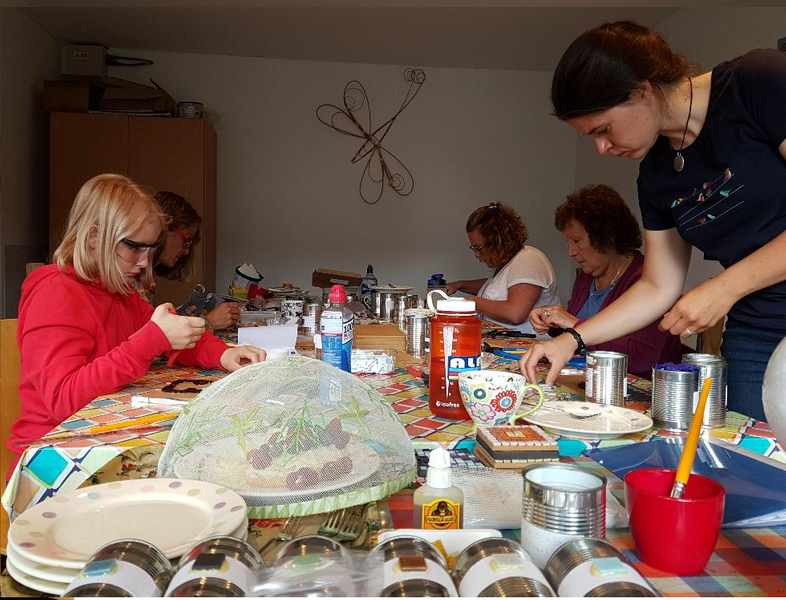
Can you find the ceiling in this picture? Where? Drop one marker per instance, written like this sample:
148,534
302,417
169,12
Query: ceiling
503,37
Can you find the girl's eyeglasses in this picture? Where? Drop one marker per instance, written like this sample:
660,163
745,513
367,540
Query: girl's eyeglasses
131,250
187,239
476,248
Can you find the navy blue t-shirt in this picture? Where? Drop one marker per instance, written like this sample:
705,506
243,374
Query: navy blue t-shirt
730,199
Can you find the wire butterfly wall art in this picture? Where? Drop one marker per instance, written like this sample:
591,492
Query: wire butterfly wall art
354,120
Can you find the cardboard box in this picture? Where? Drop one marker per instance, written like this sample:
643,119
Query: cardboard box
137,99
67,96
83,60
324,278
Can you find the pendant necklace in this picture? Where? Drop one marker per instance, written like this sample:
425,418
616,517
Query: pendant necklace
616,275
679,160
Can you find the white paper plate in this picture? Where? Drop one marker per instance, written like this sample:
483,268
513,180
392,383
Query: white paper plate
610,422
171,514
34,583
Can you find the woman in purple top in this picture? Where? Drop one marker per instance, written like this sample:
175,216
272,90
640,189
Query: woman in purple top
603,238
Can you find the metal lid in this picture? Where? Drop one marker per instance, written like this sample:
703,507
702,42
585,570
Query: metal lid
227,545
625,589
477,551
207,587
99,590
517,587
309,545
415,588
696,358
410,545
574,553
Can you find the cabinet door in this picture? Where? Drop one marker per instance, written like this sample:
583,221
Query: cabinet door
80,147
169,155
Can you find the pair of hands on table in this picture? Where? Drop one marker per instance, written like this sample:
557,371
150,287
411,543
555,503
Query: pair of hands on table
184,332
696,311
544,318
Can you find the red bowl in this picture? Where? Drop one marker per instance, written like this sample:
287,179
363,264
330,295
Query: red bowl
675,535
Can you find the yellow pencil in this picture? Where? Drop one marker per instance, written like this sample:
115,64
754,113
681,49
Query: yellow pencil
131,423
689,451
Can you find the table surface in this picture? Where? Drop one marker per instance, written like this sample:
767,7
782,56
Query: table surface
746,561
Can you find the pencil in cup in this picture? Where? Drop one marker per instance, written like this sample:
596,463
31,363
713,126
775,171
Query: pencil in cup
689,451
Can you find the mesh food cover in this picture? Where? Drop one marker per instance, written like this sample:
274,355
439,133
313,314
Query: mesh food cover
293,436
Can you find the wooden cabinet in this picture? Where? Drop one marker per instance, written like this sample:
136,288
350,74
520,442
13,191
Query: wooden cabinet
176,155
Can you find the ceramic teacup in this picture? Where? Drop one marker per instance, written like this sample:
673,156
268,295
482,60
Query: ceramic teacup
493,397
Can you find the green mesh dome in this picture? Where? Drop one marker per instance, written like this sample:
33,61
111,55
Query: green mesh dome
293,436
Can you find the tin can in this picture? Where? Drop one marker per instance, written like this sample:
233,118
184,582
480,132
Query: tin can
216,566
311,313
674,395
416,330
607,377
190,110
123,568
409,561
498,567
594,568
715,367
561,503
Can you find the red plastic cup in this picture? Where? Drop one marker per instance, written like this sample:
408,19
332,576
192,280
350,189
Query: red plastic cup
674,535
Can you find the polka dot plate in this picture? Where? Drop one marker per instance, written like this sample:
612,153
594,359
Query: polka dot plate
172,514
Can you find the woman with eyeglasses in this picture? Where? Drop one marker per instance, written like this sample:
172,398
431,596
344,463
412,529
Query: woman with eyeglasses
82,330
173,259
523,277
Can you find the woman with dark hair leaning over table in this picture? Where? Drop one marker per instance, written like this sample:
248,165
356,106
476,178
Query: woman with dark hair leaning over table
712,175
604,239
523,277
83,331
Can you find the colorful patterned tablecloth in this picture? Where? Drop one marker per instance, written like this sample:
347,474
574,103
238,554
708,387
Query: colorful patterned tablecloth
746,562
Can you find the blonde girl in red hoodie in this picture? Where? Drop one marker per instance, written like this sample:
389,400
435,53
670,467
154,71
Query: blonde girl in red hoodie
83,331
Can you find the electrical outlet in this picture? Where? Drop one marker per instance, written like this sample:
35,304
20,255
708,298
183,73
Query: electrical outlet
782,44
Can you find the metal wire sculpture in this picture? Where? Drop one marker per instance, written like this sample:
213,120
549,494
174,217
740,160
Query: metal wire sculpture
382,165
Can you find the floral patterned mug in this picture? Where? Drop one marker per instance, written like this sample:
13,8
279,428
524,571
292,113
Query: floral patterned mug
493,397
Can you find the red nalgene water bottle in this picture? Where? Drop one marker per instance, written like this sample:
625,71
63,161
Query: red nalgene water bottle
455,348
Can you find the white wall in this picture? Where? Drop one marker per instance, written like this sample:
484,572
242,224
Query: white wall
288,194
706,37
28,56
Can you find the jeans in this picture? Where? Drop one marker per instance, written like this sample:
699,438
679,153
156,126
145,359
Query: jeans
747,351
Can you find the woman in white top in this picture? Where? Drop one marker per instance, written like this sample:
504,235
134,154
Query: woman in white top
523,278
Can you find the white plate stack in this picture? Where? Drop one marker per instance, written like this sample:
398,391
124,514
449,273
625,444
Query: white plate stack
50,543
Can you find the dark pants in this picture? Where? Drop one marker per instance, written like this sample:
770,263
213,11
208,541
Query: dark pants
747,351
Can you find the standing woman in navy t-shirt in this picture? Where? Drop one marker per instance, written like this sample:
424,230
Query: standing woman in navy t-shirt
712,175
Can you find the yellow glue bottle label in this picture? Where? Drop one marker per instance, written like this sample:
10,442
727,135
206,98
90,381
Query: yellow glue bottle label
441,514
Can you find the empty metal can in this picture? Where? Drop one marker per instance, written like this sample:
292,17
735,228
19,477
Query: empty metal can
311,313
416,330
594,568
216,566
562,502
715,367
498,567
408,562
674,395
123,568
606,377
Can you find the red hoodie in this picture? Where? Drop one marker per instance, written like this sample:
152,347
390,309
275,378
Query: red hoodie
78,341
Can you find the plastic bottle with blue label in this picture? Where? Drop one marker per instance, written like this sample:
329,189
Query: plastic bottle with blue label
337,329
455,348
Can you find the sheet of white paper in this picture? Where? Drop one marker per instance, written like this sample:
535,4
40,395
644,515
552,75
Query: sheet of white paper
269,337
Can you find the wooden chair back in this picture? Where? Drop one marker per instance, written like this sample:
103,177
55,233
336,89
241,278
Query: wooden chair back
9,407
